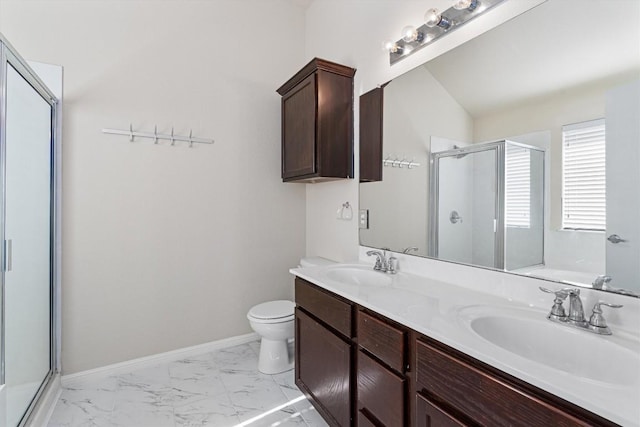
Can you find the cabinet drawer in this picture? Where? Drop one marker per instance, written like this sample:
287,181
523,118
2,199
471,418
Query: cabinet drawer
486,399
380,392
428,414
334,312
382,340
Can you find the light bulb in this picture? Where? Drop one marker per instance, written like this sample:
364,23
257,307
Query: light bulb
465,4
391,47
409,34
432,18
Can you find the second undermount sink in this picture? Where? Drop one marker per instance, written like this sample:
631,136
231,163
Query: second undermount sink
358,275
532,336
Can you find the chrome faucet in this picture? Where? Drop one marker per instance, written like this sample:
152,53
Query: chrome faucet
409,249
381,260
382,263
596,324
576,311
601,281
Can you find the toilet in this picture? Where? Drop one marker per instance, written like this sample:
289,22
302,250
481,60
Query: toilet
274,322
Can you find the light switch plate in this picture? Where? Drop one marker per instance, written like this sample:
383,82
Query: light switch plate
363,219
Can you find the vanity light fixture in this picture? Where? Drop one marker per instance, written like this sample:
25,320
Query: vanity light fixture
436,24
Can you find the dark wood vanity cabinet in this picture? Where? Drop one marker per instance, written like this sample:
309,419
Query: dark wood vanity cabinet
359,368
350,363
453,389
317,123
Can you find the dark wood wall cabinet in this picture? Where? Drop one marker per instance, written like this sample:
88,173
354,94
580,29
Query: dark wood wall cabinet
371,128
317,123
359,368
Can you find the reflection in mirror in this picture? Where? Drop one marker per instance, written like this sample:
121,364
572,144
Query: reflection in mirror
527,145
498,188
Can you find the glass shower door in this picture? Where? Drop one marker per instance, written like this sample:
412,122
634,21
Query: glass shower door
27,160
465,203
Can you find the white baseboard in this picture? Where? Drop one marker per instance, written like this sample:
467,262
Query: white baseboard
148,361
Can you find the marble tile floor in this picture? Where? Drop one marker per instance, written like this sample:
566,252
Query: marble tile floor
222,388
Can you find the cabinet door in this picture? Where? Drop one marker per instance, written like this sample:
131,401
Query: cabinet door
371,115
429,415
299,129
323,369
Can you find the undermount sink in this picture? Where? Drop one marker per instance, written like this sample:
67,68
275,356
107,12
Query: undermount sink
357,275
532,336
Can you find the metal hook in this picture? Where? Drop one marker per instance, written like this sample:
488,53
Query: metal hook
190,138
173,141
155,134
130,132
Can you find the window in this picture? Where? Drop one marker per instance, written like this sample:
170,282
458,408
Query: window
583,176
518,186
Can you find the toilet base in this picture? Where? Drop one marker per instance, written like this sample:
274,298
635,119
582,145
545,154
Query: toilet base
274,357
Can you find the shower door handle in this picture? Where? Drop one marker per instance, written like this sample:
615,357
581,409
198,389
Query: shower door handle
454,217
8,254
614,238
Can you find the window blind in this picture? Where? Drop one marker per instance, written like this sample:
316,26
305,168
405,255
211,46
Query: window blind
584,179
518,186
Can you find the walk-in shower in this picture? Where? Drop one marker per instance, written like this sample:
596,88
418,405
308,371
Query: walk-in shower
485,198
28,112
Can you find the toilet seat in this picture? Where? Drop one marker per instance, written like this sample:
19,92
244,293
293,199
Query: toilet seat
272,312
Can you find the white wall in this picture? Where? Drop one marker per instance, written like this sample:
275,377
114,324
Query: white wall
352,33
166,247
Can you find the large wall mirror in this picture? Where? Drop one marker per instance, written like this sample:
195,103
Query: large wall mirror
520,150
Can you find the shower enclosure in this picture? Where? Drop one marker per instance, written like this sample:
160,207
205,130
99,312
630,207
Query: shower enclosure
486,205
27,232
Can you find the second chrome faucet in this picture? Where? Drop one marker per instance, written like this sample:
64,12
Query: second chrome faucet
384,264
596,324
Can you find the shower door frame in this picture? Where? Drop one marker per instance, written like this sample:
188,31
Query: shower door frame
10,57
434,180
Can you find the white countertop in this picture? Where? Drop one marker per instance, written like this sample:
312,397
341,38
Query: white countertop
441,310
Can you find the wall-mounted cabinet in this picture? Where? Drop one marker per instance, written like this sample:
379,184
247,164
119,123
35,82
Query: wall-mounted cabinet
371,131
317,123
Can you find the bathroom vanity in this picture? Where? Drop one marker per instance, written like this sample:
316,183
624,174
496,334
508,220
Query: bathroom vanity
377,350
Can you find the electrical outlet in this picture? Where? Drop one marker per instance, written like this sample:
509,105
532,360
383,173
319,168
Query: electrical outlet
363,219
